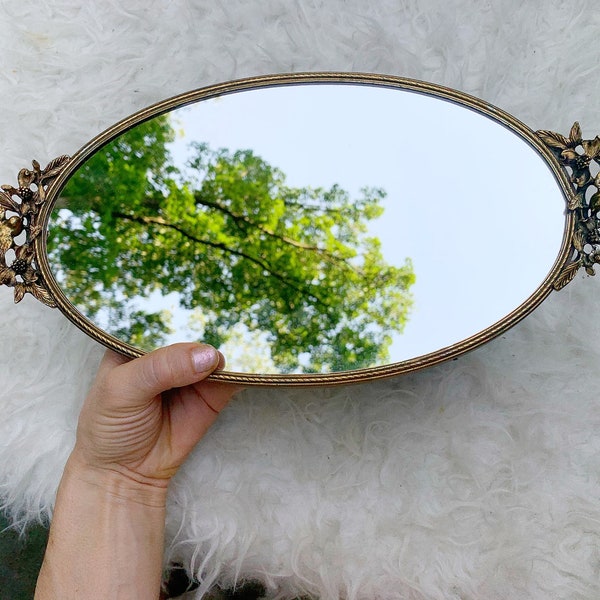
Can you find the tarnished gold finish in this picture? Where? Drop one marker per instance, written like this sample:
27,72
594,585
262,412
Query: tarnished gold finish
19,210
29,270
578,156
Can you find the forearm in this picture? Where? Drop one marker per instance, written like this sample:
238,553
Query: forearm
106,538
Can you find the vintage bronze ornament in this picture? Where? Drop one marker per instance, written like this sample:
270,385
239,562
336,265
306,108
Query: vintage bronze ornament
578,156
29,211
19,210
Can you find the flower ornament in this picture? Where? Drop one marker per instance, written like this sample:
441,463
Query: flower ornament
23,277
578,156
20,268
19,208
22,264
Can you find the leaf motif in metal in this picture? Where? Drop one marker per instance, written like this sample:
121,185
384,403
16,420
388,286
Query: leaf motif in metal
19,209
581,158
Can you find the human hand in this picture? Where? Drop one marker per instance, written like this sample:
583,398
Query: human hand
139,422
142,417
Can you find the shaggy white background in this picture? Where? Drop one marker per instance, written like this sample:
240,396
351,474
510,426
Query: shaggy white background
478,479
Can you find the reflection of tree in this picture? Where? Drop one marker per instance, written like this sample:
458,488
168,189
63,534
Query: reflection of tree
233,240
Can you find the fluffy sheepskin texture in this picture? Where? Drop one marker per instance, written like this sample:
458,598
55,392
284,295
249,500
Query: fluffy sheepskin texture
475,479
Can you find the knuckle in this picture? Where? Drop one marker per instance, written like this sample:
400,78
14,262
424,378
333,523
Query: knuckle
164,368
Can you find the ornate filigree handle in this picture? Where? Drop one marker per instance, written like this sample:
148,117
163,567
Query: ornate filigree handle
581,158
19,209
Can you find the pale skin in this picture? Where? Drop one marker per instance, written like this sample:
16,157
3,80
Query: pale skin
138,424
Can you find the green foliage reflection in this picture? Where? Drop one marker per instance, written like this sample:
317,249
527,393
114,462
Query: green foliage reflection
230,240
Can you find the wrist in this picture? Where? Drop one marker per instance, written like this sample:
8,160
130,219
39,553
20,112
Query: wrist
116,482
111,519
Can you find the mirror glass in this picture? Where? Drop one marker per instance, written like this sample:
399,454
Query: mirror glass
307,228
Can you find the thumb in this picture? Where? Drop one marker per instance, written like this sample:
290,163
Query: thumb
140,380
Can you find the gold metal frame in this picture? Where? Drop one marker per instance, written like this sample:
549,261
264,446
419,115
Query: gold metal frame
27,209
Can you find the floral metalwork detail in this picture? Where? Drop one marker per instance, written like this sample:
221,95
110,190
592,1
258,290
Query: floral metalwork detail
582,161
19,209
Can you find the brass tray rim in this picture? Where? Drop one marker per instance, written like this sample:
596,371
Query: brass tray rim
334,378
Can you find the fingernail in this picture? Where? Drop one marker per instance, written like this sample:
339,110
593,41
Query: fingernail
205,358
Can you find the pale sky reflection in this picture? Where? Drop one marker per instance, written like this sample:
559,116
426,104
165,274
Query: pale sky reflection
467,200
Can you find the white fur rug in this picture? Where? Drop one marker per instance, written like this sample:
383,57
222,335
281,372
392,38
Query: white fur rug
477,479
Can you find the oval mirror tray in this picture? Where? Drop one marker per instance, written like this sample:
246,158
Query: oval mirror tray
317,228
